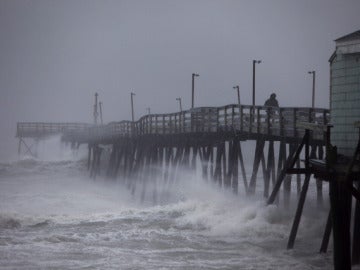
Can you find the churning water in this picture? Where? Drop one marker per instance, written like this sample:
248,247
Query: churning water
53,216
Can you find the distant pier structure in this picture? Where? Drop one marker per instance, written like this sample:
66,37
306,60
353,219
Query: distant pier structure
296,141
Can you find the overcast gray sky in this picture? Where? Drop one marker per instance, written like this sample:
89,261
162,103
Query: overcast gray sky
54,55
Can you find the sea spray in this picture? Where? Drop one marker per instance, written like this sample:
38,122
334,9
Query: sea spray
53,215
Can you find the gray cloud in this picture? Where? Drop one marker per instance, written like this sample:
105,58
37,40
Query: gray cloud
55,54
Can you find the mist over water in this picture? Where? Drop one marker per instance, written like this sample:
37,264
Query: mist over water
53,216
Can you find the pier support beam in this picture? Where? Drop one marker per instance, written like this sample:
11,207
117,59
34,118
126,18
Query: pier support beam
243,171
270,169
235,166
340,200
259,151
327,233
220,152
298,214
356,233
289,164
28,148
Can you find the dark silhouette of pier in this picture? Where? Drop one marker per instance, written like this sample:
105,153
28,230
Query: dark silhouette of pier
212,134
152,149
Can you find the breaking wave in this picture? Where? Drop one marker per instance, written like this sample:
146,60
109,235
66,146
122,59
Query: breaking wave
53,215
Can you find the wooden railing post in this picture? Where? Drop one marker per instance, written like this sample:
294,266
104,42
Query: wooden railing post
225,118
281,122
311,120
176,123
268,120
258,120
241,118
183,121
156,124
151,124
232,116
163,124
295,122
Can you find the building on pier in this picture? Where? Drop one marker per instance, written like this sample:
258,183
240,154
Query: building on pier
341,168
345,92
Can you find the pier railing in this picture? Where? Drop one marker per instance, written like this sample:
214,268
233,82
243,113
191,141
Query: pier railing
42,129
259,119
273,121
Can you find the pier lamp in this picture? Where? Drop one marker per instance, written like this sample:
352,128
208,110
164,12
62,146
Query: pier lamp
313,88
253,93
193,86
101,116
237,88
180,106
132,106
96,108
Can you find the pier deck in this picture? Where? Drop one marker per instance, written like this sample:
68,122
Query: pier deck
247,122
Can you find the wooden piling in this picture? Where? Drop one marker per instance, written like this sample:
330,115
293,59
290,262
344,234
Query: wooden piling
257,159
235,167
270,169
111,163
327,233
194,157
298,178
119,161
168,156
146,171
205,161
356,232
154,169
287,180
340,201
89,157
298,214
176,163
212,173
243,171
186,157
289,164
230,167
218,165
224,163
19,146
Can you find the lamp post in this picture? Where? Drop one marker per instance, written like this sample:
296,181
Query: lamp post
253,93
148,110
180,106
313,88
192,88
101,116
95,108
132,106
237,88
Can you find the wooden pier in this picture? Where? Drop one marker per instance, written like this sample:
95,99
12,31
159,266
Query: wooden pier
212,134
153,148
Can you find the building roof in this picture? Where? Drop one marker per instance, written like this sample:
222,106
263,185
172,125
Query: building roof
352,36
332,57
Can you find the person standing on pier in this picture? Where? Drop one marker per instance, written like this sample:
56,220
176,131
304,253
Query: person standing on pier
272,101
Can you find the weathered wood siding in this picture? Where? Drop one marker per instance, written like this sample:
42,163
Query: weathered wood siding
345,101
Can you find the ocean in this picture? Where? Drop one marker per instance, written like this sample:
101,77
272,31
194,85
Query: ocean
54,216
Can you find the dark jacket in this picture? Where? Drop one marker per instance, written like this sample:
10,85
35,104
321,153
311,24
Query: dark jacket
271,102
